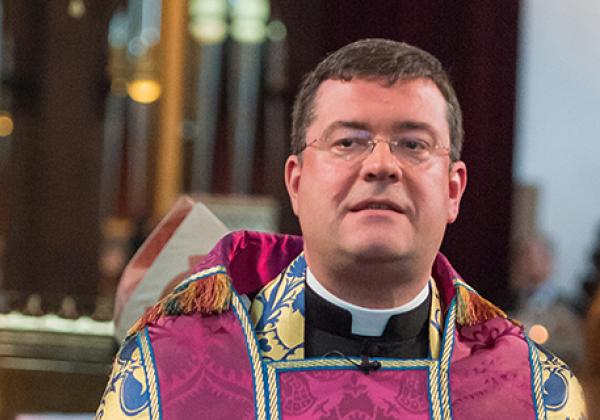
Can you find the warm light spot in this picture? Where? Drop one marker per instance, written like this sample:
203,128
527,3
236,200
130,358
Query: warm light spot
539,333
144,91
76,9
6,124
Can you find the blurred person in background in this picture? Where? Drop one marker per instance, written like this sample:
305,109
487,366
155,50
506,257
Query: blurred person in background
591,280
547,316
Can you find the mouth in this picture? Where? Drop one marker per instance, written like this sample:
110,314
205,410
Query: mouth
383,205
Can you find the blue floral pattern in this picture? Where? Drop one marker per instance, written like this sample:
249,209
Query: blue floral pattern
283,298
562,393
124,384
556,385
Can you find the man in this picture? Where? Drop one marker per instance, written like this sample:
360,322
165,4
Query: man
546,316
364,319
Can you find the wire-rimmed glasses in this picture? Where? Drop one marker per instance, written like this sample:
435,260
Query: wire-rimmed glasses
352,145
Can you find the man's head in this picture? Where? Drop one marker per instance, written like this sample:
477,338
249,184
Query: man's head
380,59
533,262
362,202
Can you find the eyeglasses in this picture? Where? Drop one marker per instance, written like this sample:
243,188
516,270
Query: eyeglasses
354,145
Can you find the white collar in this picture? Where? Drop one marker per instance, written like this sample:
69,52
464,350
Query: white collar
365,321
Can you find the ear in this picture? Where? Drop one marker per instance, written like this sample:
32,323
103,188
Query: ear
293,171
457,182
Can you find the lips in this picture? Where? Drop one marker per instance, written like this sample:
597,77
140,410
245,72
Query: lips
376,205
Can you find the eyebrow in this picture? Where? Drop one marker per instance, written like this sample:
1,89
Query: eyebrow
398,126
357,125
414,125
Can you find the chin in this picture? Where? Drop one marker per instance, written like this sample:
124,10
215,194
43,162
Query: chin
377,253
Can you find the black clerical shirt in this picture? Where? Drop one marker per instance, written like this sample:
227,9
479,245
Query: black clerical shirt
328,330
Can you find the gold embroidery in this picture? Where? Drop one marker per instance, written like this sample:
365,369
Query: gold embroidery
435,321
563,396
127,368
278,314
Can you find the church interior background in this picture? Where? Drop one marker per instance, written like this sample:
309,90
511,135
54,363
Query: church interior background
112,110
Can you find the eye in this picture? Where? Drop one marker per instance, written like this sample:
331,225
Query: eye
413,145
345,143
349,144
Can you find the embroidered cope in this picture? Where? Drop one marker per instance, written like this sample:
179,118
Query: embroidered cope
199,354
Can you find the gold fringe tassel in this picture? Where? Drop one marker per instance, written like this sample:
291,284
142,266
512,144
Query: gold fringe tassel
209,295
473,309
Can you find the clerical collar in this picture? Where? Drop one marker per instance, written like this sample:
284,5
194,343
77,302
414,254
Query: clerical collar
365,321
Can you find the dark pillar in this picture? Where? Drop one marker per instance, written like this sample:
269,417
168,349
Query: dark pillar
58,97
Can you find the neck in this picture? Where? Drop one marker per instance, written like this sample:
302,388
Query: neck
374,285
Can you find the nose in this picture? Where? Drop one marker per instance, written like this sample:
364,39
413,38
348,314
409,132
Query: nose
381,164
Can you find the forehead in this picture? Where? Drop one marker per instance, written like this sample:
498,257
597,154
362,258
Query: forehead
380,105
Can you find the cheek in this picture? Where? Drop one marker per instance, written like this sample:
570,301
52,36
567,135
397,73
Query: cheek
324,186
430,197
314,199
308,193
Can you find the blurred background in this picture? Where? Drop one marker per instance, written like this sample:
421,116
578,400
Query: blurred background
110,110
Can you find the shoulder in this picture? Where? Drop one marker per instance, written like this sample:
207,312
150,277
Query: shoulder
562,392
128,394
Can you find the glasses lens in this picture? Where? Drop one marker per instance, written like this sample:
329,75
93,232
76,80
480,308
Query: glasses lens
348,143
411,149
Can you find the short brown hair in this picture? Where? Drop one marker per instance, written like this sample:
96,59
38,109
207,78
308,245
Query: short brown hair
376,59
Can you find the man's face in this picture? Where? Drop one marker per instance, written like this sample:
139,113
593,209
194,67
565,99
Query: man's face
378,208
